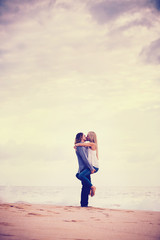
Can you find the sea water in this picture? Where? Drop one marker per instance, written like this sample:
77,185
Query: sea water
133,198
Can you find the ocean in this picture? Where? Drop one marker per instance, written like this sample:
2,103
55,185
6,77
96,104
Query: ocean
133,198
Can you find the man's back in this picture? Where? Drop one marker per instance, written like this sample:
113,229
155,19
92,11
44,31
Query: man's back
82,155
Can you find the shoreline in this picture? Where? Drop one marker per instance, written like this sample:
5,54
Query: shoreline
127,198
76,206
47,222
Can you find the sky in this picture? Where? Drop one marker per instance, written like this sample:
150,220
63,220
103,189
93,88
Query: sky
70,66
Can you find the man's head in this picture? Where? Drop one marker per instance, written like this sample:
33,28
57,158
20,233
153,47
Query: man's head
80,137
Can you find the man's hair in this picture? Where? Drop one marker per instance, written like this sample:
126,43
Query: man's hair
78,137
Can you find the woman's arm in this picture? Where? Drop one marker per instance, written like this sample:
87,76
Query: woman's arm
88,144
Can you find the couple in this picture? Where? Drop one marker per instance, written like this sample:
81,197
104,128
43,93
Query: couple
87,154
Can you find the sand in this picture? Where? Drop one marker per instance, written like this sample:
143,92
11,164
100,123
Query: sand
48,222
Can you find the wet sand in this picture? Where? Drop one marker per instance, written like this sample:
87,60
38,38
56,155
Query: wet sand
48,222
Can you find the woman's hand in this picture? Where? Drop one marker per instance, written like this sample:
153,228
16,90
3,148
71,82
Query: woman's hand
93,171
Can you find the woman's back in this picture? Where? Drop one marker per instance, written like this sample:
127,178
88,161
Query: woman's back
92,158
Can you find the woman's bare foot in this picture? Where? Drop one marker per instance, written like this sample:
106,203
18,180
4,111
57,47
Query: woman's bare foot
93,190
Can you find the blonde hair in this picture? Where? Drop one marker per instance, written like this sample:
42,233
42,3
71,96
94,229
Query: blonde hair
93,138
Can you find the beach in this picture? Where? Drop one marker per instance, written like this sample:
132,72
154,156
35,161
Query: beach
23,221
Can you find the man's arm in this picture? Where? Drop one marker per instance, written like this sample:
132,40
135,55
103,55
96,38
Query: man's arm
84,157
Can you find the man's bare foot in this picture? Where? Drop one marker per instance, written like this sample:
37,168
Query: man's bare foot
93,190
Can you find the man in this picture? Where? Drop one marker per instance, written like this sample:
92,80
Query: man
82,155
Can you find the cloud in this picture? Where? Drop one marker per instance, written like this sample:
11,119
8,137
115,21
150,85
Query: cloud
151,54
109,11
156,4
13,11
37,44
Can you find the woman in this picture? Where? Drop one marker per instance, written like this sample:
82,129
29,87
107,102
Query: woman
92,159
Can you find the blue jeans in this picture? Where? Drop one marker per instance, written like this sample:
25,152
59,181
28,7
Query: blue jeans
85,193
83,176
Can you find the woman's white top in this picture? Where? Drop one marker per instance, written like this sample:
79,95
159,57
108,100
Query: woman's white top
92,158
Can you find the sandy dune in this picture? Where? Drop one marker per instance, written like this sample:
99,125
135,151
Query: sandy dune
45,222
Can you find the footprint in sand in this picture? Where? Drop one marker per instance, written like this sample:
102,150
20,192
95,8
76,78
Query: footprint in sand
4,205
72,221
95,219
20,208
5,224
6,235
35,214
